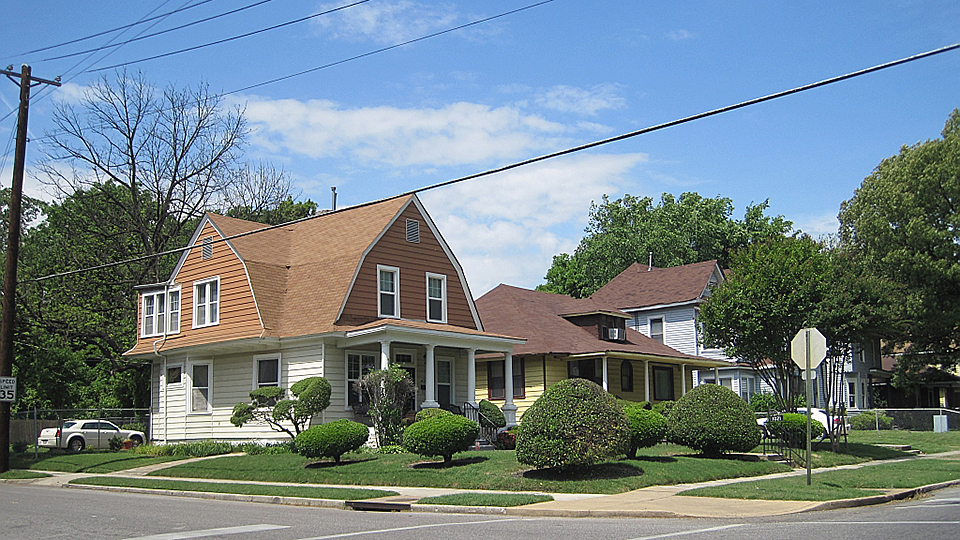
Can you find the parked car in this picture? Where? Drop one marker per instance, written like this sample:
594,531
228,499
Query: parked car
820,416
75,435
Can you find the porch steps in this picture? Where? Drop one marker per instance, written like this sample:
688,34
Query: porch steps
901,447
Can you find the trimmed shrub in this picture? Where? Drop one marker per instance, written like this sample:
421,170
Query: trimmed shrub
647,427
115,443
332,439
424,414
442,435
870,420
492,417
793,429
713,420
762,402
573,423
20,447
663,407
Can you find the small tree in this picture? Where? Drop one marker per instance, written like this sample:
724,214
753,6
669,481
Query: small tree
388,393
312,395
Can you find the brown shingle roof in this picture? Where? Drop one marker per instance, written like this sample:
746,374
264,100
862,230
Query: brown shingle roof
537,316
642,286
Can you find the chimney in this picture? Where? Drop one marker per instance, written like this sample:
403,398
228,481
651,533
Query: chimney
333,198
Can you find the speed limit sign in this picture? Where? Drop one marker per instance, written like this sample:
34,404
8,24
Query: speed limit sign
8,389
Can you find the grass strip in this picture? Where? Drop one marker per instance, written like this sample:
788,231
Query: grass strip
927,442
486,499
237,489
21,474
846,484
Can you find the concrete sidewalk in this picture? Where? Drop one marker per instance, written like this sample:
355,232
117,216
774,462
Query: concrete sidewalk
654,501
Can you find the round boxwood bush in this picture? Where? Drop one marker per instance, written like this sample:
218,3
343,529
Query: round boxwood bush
647,427
573,423
793,429
423,414
332,439
871,420
663,407
441,435
713,420
491,415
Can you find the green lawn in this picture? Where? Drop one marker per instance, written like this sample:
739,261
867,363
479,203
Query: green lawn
832,485
21,474
927,442
91,462
499,470
241,489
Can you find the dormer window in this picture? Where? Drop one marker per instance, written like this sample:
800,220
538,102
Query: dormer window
206,302
160,312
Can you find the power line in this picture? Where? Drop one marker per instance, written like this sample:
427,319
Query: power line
544,157
161,32
124,27
383,49
225,40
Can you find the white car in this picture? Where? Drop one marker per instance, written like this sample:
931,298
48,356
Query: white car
75,435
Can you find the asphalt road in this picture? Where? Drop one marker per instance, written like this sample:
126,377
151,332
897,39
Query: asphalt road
30,512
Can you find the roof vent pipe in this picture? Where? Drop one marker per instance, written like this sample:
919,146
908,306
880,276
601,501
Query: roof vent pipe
333,198
650,264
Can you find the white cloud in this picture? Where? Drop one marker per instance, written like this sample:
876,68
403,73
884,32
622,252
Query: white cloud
506,228
456,134
818,226
386,22
583,101
680,35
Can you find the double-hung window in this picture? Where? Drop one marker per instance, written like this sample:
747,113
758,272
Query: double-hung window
160,313
200,386
496,379
206,302
358,365
436,298
388,291
656,329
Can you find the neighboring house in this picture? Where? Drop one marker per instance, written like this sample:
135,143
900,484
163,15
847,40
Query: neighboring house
664,305
336,295
932,388
569,337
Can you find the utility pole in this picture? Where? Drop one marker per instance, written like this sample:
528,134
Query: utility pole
13,250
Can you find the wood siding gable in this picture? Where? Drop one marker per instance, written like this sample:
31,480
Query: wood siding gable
414,260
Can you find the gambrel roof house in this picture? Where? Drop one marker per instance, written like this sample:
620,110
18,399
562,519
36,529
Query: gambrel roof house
569,337
337,296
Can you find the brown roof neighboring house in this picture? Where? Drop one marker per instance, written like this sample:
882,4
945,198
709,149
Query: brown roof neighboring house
546,321
642,286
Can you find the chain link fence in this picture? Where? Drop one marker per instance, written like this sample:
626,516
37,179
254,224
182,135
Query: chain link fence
25,426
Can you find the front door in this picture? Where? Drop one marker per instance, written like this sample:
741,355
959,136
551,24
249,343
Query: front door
445,382
407,361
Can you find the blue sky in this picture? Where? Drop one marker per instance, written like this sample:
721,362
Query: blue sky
557,75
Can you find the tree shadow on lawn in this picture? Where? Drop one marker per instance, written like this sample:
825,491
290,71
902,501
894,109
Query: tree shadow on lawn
653,459
453,463
863,450
329,464
603,471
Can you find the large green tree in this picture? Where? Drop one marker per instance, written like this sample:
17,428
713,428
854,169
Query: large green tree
675,231
904,224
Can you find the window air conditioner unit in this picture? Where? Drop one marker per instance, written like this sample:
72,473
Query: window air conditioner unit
615,334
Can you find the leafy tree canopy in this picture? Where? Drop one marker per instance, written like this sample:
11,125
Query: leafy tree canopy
904,223
676,231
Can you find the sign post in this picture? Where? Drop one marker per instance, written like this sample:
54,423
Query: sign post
807,350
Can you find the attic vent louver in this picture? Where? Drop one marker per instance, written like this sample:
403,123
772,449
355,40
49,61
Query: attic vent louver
413,231
207,248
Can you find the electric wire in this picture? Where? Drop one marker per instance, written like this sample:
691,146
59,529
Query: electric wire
161,32
657,127
225,40
124,27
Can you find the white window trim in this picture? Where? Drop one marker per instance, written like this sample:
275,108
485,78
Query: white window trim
189,386
346,366
143,314
396,292
663,324
175,289
176,384
443,297
196,307
254,380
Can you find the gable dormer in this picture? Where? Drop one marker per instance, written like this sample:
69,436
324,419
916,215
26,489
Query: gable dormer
606,325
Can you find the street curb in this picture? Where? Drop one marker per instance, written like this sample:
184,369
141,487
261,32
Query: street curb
881,499
266,499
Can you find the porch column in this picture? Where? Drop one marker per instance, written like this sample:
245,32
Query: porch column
606,384
431,401
716,375
384,355
683,380
472,377
646,380
509,409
